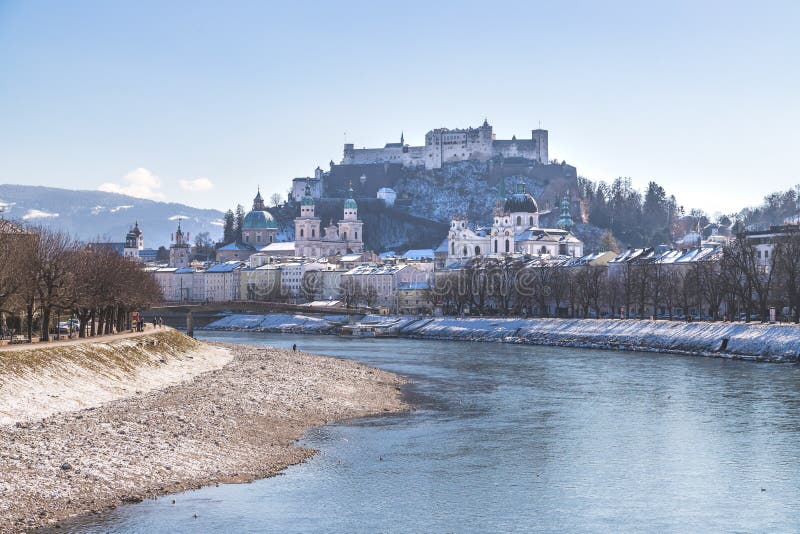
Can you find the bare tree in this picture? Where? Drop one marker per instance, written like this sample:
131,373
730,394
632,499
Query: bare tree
51,266
788,266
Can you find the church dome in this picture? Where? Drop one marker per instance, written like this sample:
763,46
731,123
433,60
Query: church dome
521,202
257,219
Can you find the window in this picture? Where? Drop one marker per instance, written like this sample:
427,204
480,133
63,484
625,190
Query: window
313,232
344,236
356,236
508,245
531,221
465,250
301,232
477,250
453,249
519,220
495,246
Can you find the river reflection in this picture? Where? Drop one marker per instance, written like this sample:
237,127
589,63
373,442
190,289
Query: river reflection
521,438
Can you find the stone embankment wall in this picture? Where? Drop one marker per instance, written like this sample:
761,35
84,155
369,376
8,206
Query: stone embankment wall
747,341
759,342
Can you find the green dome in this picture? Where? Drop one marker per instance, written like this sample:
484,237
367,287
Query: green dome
258,219
308,200
350,203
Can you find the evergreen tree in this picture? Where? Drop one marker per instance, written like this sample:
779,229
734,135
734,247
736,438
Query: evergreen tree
239,222
228,230
162,254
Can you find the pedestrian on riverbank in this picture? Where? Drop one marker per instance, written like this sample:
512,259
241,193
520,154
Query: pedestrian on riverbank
294,347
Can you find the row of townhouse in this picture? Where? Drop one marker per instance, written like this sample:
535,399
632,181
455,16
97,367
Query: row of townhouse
299,280
218,283
378,285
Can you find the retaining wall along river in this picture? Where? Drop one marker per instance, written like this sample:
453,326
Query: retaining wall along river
749,341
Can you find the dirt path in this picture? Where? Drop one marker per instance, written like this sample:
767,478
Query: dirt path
148,329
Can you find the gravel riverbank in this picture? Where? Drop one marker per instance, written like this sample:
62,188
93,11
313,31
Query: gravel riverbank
233,424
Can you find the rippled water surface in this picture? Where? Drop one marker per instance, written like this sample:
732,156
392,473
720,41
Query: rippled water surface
521,438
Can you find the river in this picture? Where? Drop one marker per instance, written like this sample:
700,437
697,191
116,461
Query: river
524,438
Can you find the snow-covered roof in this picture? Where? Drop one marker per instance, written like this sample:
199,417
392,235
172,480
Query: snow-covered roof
546,234
419,254
413,285
237,245
226,267
375,270
283,246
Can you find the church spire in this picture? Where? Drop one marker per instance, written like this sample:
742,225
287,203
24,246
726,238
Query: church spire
258,201
402,139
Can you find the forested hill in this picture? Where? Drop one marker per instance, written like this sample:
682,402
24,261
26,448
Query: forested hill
653,216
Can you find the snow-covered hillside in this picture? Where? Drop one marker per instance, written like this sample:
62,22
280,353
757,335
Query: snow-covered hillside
96,215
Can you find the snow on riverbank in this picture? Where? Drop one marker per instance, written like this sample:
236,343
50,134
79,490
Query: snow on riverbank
763,342
752,341
39,381
276,322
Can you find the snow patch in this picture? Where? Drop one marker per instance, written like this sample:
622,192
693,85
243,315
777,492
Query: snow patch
38,214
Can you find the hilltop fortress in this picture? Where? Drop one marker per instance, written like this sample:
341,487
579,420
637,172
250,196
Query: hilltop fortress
443,145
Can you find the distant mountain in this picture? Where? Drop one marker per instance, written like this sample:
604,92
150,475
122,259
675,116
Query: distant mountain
96,215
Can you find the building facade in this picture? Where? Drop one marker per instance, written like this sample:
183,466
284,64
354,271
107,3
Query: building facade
515,230
345,237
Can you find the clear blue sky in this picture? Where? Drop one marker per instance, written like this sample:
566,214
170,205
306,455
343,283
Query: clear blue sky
700,96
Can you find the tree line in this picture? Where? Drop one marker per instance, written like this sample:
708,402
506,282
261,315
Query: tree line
47,275
734,282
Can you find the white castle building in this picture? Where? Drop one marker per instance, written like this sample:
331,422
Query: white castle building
515,229
443,145
342,238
